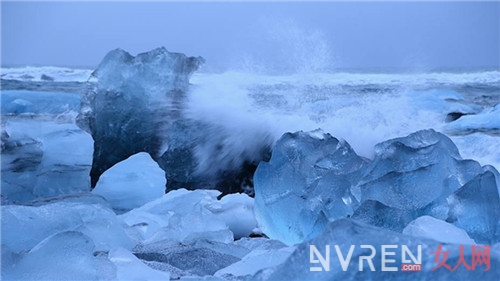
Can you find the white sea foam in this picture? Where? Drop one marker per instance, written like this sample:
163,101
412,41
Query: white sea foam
363,109
34,73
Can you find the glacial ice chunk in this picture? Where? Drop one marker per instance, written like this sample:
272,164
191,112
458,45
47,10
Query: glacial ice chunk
186,216
475,207
346,233
414,171
486,121
129,267
432,228
142,104
63,256
377,214
44,158
132,182
236,211
256,261
411,177
127,110
304,185
38,103
25,226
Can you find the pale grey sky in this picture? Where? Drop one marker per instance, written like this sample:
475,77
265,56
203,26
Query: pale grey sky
363,35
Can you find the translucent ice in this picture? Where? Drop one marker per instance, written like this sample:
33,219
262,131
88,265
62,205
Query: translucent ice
346,234
186,216
305,184
260,253
414,171
432,228
129,267
25,226
63,256
378,214
486,121
139,104
132,182
133,98
236,210
44,158
475,207
255,261
39,103
412,177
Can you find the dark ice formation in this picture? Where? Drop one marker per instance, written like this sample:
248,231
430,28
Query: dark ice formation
138,105
128,107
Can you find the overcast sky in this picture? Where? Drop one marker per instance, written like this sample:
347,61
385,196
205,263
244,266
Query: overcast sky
323,35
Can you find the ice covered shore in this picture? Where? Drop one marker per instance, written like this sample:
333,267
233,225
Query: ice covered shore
376,175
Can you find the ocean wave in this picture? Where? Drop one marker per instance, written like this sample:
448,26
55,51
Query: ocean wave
65,74
46,74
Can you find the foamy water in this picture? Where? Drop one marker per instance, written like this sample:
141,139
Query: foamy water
363,109
246,111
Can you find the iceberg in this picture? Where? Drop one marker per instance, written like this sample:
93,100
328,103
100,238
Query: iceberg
138,104
313,172
127,108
